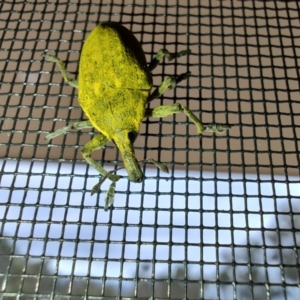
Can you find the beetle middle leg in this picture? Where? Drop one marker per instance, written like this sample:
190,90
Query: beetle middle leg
96,143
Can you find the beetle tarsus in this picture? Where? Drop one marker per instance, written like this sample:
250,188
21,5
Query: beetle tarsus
159,165
217,128
110,196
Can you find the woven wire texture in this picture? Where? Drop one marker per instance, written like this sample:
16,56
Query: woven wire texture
223,224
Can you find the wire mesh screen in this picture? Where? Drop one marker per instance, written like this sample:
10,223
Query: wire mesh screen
222,224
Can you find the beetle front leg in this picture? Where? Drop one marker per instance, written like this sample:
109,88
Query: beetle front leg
63,130
164,52
72,82
166,110
94,144
97,143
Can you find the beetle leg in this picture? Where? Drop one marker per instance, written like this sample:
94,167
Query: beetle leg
168,83
164,52
72,82
110,195
159,165
166,110
94,144
63,130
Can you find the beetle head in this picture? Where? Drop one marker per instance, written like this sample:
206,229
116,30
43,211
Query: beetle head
124,141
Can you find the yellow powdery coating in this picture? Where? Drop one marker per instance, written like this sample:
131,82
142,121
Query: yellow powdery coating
114,81
114,86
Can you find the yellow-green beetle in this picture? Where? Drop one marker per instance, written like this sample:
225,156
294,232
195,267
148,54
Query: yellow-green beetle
114,87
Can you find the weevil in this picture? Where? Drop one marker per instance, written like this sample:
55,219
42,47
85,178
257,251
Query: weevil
114,88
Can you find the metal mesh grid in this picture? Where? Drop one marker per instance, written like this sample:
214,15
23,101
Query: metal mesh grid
223,225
